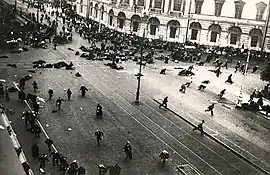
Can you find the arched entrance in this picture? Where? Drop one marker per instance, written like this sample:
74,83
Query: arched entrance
101,12
96,11
235,34
153,25
173,28
91,8
255,37
214,31
195,28
135,23
111,14
81,6
121,20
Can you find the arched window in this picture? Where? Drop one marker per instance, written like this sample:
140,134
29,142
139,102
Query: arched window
235,34
121,20
215,31
261,6
102,12
173,26
81,6
239,5
96,11
195,29
154,24
255,37
111,14
135,22
91,9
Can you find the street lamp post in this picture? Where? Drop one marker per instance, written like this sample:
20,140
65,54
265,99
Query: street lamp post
189,11
15,6
38,11
240,98
140,71
265,28
99,20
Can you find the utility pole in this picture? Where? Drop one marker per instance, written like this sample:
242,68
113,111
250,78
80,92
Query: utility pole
140,71
15,6
189,11
265,28
38,11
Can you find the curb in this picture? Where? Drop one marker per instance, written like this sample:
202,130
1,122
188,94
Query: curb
15,141
42,128
220,142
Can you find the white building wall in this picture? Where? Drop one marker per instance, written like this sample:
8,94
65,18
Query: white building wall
206,18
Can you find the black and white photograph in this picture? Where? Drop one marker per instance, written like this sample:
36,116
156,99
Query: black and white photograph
134,87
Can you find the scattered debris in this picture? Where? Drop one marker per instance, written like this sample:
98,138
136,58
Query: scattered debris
12,65
12,89
32,71
16,51
39,62
77,53
206,82
78,74
54,111
3,56
28,77
69,129
81,108
48,66
47,125
70,49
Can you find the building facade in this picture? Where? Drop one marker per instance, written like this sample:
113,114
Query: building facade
210,22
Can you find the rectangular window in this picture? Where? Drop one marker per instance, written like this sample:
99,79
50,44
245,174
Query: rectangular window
158,4
135,26
218,8
194,34
259,14
111,20
213,37
239,5
172,32
81,8
261,6
121,23
140,3
177,5
233,39
153,29
102,13
238,12
198,6
254,41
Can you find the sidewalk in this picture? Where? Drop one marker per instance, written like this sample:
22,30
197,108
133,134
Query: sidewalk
9,160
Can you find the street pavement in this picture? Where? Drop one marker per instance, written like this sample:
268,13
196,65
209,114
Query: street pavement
148,128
